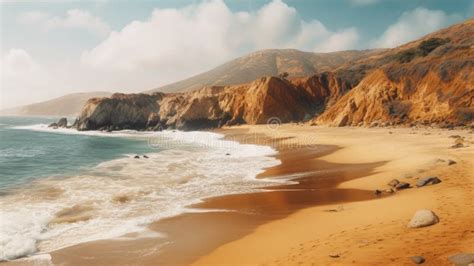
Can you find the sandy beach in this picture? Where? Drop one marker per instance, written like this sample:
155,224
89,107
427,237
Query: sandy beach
329,214
371,232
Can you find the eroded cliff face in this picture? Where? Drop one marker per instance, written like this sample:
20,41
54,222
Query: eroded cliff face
120,111
210,107
428,81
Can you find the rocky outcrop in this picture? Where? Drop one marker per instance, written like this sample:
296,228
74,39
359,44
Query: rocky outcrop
210,107
120,111
429,81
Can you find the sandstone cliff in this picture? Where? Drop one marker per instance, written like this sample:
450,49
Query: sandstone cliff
210,107
429,81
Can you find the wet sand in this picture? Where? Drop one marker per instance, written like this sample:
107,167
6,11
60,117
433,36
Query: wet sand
193,235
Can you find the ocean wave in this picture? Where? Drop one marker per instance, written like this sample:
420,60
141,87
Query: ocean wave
21,152
123,196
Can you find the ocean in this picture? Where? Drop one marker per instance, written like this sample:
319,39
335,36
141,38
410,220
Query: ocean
61,187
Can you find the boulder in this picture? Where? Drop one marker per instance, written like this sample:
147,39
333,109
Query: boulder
417,259
423,218
457,145
451,162
393,183
402,185
62,122
53,125
430,180
462,259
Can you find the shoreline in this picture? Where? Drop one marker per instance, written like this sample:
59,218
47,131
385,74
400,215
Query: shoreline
245,212
243,234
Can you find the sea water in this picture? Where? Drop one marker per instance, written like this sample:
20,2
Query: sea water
61,187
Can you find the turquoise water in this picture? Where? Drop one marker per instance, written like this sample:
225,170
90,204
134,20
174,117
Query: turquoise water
27,154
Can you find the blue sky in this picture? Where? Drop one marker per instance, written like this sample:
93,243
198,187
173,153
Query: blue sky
52,48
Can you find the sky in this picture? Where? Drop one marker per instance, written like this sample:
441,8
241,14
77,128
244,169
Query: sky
52,48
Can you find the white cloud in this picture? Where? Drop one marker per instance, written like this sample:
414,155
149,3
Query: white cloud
344,40
414,24
170,45
22,78
32,17
185,41
364,2
17,62
74,19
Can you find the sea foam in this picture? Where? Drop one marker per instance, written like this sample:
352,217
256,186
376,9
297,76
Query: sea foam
125,195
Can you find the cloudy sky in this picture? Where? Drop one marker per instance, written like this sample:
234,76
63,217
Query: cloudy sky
49,49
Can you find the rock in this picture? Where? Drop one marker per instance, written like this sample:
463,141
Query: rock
54,125
451,162
402,185
210,107
136,157
62,122
430,180
393,183
390,190
417,259
153,120
455,136
457,145
377,192
144,156
334,256
227,154
423,218
462,259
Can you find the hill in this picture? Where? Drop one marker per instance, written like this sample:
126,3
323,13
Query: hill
267,63
70,104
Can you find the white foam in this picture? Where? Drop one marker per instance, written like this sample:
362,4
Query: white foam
161,186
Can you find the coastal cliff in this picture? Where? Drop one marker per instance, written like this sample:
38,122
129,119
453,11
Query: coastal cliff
210,107
428,81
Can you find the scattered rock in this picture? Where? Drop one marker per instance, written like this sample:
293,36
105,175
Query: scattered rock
136,157
62,122
394,182
458,145
430,180
144,156
423,218
417,259
402,185
463,259
451,162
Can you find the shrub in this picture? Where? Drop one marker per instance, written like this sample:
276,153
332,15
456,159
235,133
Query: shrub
423,49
